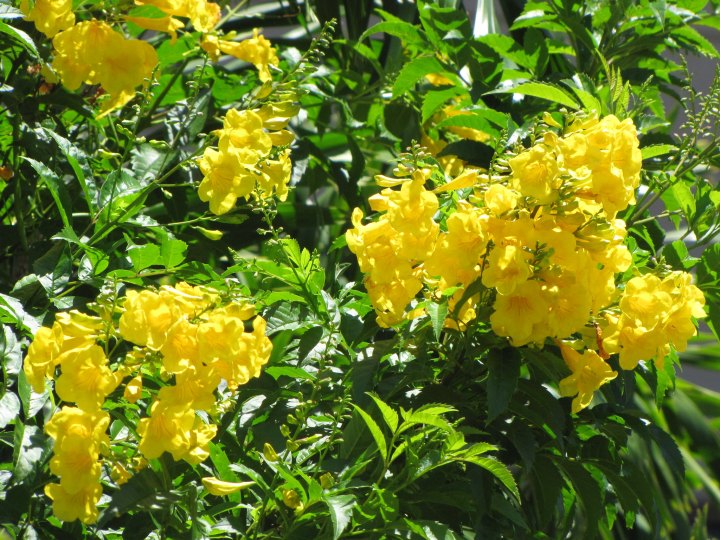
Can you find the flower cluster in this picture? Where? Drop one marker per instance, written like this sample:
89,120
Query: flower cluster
542,239
189,342
652,314
251,159
93,52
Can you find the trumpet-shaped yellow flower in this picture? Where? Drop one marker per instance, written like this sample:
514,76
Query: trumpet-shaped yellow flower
86,378
589,372
225,180
203,15
147,318
80,505
256,50
49,16
92,52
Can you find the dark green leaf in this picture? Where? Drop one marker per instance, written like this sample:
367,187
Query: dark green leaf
503,373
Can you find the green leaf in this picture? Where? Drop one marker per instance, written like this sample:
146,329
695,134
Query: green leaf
21,37
389,415
415,70
588,492
541,90
408,33
11,356
9,408
143,491
32,447
434,99
498,470
341,508
655,150
695,41
172,251
437,311
503,374
121,197
375,431
78,162
143,256
10,12
56,187
677,254
289,371
669,449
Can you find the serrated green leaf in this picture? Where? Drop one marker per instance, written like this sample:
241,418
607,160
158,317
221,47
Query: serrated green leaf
437,312
408,33
434,99
498,470
375,431
655,150
415,70
503,374
588,492
341,508
541,90
289,371
389,415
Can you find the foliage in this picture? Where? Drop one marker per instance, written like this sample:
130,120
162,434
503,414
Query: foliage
423,426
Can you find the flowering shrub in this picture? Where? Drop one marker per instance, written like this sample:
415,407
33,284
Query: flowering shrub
183,334
543,236
321,270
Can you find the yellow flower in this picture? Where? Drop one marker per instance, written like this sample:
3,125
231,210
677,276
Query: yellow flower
180,348
535,174
203,15
120,474
218,487
589,372
292,499
79,438
507,268
94,53
500,199
193,388
257,50
133,389
49,16
236,355
147,318
225,179
168,429
85,377
169,25
243,134
41,357
516,313
81,505
275,176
